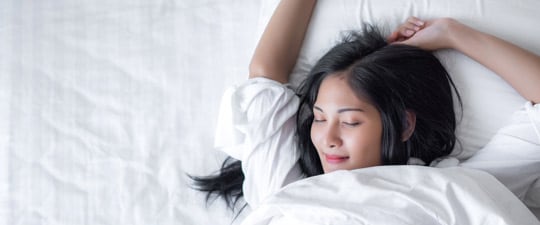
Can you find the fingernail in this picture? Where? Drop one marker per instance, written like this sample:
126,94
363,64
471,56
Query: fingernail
409,32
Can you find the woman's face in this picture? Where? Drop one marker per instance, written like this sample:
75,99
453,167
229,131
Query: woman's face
346,130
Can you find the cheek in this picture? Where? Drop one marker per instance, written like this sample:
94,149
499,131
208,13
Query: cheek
364,142
355,142
314,136
317,137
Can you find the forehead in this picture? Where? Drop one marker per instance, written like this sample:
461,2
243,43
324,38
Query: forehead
336,89
335,95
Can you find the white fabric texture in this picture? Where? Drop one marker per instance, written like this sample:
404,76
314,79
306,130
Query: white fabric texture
106,106
513,155
261,135
268,152
395,195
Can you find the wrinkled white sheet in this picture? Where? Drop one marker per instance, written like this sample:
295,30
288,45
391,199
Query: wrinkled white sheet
106,105
394,195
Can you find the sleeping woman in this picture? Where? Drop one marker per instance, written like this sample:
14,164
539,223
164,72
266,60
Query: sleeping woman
369,101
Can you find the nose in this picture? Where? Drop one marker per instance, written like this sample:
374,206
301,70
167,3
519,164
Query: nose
332,138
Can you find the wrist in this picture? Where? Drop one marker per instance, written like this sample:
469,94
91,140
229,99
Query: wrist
456,32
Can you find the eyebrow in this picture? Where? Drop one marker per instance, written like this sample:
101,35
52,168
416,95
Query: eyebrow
341,110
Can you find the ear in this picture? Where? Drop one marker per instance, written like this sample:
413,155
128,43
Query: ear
409,126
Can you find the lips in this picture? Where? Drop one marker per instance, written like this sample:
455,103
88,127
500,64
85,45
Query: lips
335,158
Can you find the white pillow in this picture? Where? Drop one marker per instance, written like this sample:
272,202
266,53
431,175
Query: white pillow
488,101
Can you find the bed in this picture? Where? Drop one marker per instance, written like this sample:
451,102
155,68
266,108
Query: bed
107,106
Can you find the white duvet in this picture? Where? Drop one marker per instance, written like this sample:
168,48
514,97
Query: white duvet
394,195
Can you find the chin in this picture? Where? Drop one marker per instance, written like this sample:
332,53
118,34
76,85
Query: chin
329,170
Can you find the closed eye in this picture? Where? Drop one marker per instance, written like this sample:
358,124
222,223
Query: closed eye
351,124
318,121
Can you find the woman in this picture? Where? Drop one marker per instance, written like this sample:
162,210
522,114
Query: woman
366,103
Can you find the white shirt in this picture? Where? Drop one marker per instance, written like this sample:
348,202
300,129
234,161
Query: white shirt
257,126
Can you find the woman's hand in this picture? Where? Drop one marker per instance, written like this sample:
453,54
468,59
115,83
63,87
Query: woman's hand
519,67
429,35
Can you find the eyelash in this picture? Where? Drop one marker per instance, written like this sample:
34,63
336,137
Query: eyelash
346,123
352,124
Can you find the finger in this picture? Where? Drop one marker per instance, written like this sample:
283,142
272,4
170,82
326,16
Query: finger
407,25
416,21
407,32
400,35
393,37
406,42
412,26
401,40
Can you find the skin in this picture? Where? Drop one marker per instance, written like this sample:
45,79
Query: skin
280,44
517,66
346,130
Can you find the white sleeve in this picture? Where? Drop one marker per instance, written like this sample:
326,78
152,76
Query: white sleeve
513,155
257,125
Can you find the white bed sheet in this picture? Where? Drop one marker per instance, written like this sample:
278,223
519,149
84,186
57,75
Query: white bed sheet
106,105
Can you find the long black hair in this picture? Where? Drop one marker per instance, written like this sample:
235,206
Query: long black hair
396,79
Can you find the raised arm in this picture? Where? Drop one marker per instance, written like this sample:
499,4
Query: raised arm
280,44
520,68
